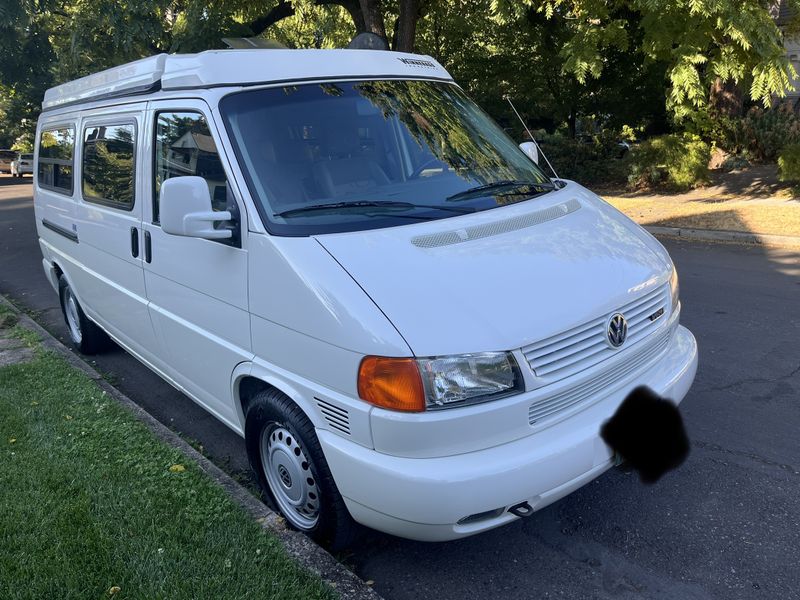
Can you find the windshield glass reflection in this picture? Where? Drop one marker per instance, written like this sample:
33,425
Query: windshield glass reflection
348,156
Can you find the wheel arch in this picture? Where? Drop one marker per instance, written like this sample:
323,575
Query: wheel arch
250,378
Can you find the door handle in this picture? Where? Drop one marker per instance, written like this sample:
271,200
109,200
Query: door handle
148,250
134,242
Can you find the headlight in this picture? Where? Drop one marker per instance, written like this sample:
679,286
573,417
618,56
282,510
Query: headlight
414,385
468,378
674,289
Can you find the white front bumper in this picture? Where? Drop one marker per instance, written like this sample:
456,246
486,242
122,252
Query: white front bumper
424,498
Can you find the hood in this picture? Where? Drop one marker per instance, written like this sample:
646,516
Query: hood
506,277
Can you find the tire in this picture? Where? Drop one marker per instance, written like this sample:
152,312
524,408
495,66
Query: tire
296,479
87,337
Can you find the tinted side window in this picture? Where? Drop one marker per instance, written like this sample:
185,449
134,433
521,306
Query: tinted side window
108,165
56,150
184,146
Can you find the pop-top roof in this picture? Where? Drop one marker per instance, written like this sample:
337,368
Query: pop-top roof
218,68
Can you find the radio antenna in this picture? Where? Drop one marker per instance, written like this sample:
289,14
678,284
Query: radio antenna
530,135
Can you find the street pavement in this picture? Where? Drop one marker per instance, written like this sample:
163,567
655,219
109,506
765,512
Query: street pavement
724,525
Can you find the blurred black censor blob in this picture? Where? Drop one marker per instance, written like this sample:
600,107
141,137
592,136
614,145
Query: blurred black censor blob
647,431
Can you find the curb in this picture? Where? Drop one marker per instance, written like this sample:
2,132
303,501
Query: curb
301,548
731,237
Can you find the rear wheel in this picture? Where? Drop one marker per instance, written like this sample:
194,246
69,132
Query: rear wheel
87,337
287,458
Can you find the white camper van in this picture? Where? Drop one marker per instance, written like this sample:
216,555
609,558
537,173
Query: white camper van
347,262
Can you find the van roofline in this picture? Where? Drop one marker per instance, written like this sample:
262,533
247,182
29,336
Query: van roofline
241,68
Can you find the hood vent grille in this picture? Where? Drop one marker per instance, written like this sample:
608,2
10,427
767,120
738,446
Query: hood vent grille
456,236
338,418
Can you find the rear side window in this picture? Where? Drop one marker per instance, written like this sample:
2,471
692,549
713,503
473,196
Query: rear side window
56,152
184,146
108,165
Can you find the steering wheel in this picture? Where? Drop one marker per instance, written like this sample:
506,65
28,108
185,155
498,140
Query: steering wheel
418,171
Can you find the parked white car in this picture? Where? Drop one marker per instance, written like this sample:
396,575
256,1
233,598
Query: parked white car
6,158
22,164
347,262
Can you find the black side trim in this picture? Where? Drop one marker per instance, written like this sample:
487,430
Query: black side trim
138,91
70,235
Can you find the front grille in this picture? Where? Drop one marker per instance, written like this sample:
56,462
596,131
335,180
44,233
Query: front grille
586,345
595,386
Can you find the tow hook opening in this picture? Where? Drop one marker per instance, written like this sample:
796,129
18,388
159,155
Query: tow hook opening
523,509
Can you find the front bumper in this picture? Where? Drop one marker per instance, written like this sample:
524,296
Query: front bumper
424,498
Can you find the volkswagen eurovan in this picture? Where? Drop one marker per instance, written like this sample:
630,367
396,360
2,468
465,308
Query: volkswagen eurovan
347,262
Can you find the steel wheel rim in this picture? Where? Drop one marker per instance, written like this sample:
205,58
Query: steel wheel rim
73,319
288,472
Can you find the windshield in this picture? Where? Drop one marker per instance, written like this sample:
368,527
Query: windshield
332,157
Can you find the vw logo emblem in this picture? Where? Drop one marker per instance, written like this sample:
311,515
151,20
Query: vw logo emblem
283,473
617,330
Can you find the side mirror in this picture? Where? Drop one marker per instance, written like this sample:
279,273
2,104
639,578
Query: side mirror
185,209
531,150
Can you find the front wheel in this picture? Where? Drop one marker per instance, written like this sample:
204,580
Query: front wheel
287,459
87,337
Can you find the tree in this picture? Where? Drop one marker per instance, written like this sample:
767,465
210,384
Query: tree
701,41
520,56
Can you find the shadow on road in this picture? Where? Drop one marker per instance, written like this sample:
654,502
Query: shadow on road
8,180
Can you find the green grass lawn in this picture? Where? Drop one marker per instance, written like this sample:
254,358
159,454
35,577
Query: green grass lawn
93,506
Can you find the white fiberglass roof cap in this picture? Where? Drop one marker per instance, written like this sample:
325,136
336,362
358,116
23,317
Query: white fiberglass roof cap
216,68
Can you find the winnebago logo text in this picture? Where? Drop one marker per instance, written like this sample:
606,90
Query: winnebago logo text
416,62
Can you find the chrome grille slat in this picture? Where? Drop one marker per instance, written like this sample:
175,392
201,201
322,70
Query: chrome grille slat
644,311
585,345
646,298
584,391
551,357
572,359
564,339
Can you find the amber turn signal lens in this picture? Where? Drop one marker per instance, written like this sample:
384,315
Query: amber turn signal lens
392,383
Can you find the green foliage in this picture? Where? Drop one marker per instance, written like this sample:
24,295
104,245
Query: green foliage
677,162
590,161
520,56
620,62
767,131
789,163
701,41
733,163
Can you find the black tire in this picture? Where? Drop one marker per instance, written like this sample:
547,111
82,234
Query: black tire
87,337
269,414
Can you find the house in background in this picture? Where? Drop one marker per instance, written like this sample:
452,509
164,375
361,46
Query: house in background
783,14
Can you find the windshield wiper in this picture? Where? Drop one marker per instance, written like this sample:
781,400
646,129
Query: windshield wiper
496,188
369,204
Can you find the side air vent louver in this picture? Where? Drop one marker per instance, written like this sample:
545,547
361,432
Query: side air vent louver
338,418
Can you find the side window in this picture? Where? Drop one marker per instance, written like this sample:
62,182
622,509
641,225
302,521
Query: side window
108,165
184,146
56,151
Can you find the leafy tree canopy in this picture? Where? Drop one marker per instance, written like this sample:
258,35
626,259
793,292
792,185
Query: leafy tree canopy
636,62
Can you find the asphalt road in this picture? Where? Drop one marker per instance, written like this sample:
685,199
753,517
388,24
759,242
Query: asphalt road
725,525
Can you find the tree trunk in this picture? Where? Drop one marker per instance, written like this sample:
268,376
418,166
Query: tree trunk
285,9
726,98
571,123
373,17
407,25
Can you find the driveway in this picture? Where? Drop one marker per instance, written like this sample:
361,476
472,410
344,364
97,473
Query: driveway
725,525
